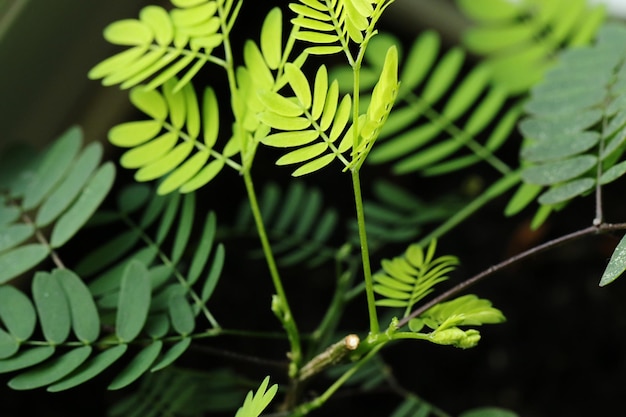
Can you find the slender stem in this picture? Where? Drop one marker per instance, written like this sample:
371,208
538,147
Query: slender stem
365,257
595,229
599,218
288,320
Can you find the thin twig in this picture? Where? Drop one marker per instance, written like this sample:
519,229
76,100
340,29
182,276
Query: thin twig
595,229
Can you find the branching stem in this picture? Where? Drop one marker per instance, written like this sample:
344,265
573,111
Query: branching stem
591,230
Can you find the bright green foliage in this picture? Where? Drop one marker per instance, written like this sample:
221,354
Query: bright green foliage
164,43
445,318
312,121
520,38
575,123
408,279
60,188
179,140
254,404
339,22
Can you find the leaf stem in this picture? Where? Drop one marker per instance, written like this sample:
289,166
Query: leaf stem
365,257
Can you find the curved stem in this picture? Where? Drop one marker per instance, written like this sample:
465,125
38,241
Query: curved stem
595,229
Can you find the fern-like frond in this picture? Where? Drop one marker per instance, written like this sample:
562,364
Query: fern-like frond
409,278
574,137
164,43
332,25
520,38
255,403
430,136
298,225
313,119
140,299
177,142
51,196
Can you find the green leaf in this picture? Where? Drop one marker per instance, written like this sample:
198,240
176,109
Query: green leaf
137,367
443,75
560,147
21,259
128,32
55,165
185,172
52,307
51,371
8,345
14,234
91,369
201,255
181,314
616,265
214,274
279,122
271,38
131,134
303,154
168,162
26,358
151,102
489,10
254,404
204,176
559,171
159,22
174,353
567,191
183,231
280,105
291,139
488,412
613,173
134,301
71,185
17,313
85,317
83,208
299,84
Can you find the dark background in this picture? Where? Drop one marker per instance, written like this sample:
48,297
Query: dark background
560,352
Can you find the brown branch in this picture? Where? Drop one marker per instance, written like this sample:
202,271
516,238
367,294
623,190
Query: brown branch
595,229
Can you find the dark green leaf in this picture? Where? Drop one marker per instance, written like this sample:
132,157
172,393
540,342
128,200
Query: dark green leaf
133,197
51,371
21,259
71,185
56,163
134,301
616,265
488,412
91,369
8,345
14,234
203,250
85,317
157,325
17,313
181,314
26,359
174,353
111,279
184,227
90,198
109,252
214,274
547,128
168,218
52,308
138,366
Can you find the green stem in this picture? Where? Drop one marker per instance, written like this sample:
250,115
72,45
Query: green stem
365,257
286,316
